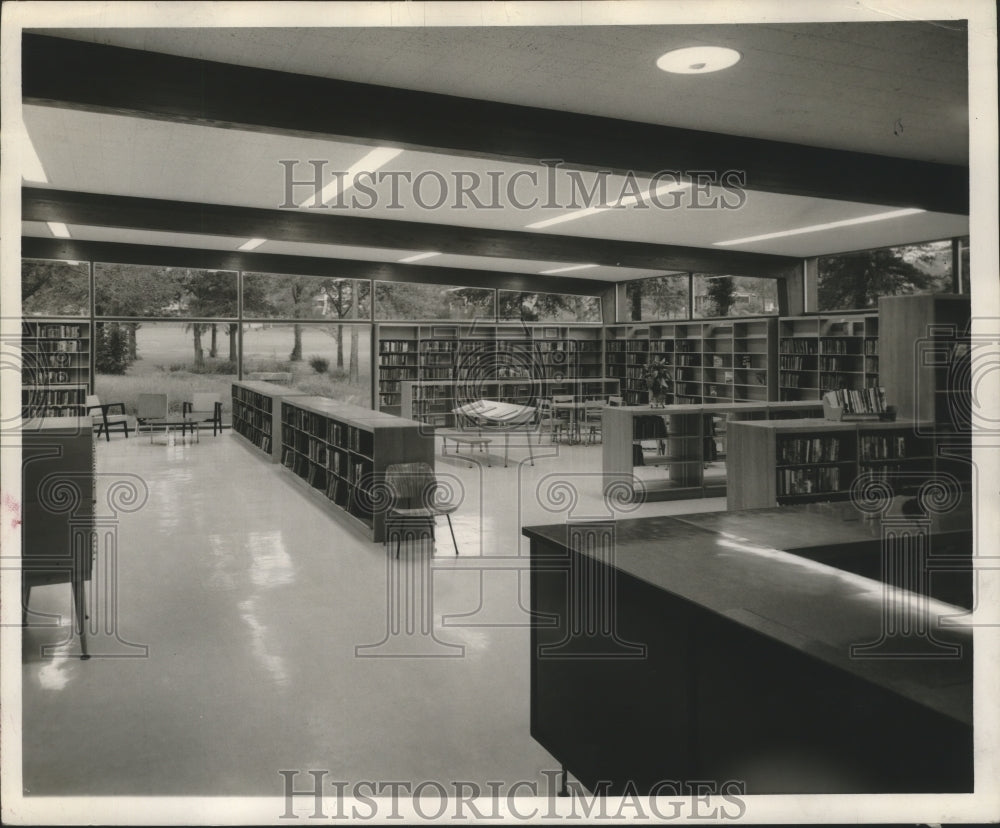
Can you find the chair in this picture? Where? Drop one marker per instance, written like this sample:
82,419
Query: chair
204,407
593,418
415,499
566,415
151,407
108,420
547,417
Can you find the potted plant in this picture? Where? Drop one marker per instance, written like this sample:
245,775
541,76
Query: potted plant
659,382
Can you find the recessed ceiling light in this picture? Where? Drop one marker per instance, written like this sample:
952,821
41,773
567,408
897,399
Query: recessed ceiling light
698,60
565,269
814,228
628,201
418,257
251,244
59,230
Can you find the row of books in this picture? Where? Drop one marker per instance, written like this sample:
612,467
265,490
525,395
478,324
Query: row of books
839,346
841,363
837,382
251,398
858,401
799,450
64,346
871,365
58,359
795,363
51,396
396,346
256,419
52,410
808,481
398,373
798,345
59,331
397,359
882,447
871,347
794,380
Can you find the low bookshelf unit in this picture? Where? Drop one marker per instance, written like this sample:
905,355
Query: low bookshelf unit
340,452
257,414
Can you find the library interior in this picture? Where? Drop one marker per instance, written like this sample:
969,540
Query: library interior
581,406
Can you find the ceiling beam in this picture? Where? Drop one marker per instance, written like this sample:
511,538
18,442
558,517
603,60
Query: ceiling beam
33,247
39,204
112,79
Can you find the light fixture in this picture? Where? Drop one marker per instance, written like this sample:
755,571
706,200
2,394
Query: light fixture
418,257
251,244
59,230
377,158
565,269
698,60
815,228
628,201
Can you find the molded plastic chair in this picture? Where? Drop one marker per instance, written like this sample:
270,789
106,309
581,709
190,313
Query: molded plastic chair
205,407
547,418
593,418
151,407
416,500
108,420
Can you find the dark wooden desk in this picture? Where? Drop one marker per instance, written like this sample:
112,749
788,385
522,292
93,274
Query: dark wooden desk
745,671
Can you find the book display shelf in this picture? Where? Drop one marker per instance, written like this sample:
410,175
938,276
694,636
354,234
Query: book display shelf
55,367
257,412
781,462
340,452
828,352
427,370
680,451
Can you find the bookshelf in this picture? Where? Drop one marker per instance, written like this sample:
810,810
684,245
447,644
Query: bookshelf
399,359
339,453
755,360
257,411
55,377
717,362
827,352
926,352
779,462
680,451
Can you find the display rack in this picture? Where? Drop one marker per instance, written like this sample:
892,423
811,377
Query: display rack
340,453
55,372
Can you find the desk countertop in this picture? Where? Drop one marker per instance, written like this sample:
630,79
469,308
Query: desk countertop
736,565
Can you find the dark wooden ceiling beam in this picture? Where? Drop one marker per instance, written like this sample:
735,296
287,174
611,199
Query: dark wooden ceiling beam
96,77
40,204
33,247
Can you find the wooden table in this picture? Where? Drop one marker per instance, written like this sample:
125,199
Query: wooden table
168,424
709,651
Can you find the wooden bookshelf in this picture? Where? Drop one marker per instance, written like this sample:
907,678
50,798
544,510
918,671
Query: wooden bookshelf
340,452
399,359
827,352
925,358
257,414
682,446
55,373
755,359
781,462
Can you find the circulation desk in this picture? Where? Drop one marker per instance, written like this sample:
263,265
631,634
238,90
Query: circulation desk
718,646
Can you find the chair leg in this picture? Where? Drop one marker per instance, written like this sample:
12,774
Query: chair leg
450,529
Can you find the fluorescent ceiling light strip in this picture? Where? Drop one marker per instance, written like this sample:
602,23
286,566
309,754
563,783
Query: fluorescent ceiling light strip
815,228
662,190
565,269
59,230
418,257
251,244
377,158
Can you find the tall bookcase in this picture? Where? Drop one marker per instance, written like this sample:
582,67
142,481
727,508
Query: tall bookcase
55,367
257,414
340,453
827,352
399,358
926,357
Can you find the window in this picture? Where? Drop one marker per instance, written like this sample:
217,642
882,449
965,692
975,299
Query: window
660,297
175,358
151,291
404,300
330,360
857,280
733,295
55,288
548,307
278,296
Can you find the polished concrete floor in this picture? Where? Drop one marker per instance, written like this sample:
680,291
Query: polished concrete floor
243,630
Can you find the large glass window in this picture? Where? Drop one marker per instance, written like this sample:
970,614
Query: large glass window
403,300
548,307
659,297
733,295
55,288
172,358
857,280
329,360
279,296
152,291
